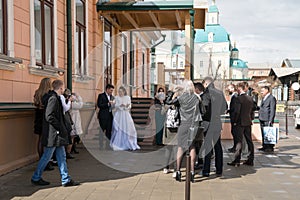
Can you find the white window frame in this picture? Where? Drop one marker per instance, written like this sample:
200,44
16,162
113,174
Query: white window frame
34,69
10,28
77,76
6,64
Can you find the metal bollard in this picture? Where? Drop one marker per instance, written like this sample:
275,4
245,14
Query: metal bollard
188,176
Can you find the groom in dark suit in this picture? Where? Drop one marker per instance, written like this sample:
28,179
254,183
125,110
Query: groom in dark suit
267,112
105,104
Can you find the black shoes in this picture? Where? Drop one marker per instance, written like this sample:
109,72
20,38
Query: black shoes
75,151
248,162
71,183
237,164
203,174
219,174
40,182
261,149
269,150
69,156
266,149
193,177
234,163
178,176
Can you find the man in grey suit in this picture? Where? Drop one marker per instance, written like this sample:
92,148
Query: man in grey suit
267,111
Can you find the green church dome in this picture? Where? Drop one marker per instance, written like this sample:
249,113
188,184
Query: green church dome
213,9
220,34
238,63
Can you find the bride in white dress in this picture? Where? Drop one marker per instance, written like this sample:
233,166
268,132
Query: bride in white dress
124,136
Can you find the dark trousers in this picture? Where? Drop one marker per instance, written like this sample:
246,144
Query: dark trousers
265,146
218,159
158,137
244,132
159,121
106,126
234,133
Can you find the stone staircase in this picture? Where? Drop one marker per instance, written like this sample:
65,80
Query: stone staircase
140,115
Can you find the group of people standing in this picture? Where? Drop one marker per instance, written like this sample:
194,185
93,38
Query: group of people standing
202,104
242,107
55,126
200,108
118,127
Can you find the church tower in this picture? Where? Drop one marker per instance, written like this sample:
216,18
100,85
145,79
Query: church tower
234,52
213,14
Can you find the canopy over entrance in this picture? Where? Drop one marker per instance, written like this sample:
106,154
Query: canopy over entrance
159,15
153,15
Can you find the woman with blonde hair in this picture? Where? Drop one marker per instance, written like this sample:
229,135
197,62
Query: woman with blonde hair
190,117
123,135
44,88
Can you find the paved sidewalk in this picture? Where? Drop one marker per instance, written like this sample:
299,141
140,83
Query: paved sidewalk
274,176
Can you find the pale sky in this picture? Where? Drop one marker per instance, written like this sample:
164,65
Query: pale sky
266,31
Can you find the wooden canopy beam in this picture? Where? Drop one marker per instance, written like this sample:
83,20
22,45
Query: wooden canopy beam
178,19
112,21
131,20
154,19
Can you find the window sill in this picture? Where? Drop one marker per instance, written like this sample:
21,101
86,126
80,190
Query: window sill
45,71
9,63
82,79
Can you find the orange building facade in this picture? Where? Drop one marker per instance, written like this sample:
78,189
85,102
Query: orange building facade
33,45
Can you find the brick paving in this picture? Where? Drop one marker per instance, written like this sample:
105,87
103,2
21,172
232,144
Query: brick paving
274,176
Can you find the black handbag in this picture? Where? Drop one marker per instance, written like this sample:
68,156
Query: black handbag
172,118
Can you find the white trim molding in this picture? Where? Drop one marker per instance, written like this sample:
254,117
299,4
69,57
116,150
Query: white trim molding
10,29
33,68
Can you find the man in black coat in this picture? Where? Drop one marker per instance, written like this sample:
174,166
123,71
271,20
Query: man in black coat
215,105
54,137
267,111
105,104
242,121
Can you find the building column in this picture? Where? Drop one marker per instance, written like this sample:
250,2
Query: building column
189,46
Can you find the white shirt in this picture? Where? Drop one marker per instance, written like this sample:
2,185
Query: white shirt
266,96
108,96
66,106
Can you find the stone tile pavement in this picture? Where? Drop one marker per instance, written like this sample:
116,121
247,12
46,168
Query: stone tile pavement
274,176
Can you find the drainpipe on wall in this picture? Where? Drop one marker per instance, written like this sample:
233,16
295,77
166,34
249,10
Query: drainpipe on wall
192,37
69,44
164,38
153,60
131,61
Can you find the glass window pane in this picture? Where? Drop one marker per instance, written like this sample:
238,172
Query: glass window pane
107,31
124,43
82,52
38,30
1,27
48,35
77,50
80,12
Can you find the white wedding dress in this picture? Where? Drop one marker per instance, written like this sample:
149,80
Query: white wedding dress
124,135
